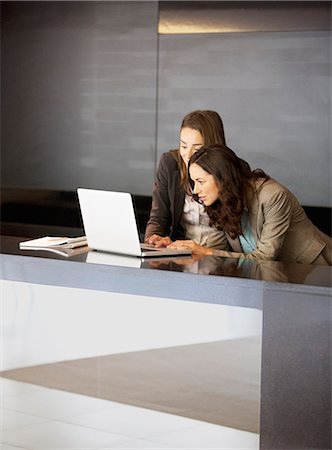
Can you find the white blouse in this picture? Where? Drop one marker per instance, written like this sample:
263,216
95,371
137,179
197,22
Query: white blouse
195,222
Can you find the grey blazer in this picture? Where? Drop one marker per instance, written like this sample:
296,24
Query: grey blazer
167,200
281,228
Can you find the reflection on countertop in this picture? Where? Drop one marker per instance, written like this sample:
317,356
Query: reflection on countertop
271,271
278,271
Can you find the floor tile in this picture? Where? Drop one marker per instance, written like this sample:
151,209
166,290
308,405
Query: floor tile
210,436
138,444
60,436
133,421
13,419
9,388
52,403
10,447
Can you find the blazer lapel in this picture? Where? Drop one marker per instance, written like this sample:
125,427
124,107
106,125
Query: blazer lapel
253,205
235,244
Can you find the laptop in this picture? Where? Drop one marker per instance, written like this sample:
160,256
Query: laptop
110,225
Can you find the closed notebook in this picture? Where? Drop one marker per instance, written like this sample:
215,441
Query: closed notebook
53,241
63,246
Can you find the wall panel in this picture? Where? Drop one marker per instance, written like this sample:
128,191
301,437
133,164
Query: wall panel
79,94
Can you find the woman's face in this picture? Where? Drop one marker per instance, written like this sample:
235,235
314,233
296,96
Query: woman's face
205,185
190,141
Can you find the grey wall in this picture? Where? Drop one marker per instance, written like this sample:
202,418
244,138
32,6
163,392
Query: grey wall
79,95
83,103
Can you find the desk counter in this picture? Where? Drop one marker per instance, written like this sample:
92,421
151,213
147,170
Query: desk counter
296,304
203,280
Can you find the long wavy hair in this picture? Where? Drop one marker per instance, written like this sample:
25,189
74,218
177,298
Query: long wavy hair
234,179
211,127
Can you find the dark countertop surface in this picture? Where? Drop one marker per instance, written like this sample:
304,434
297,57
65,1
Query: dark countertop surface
269,271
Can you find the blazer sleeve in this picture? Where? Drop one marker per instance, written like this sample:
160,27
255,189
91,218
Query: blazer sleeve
160,219
276,208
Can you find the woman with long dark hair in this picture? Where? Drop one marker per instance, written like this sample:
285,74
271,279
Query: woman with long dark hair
260,217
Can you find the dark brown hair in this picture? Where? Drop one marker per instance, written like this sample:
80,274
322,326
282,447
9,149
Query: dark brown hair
234,180
210,125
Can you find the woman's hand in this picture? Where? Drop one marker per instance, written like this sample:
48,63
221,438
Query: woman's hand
191,245
159,241
187,261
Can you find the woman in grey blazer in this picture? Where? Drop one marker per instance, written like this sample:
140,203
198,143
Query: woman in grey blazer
260,217
173,213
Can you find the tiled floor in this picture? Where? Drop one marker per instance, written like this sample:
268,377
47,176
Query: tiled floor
37,418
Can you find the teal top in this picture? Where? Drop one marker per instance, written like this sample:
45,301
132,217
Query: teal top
247,240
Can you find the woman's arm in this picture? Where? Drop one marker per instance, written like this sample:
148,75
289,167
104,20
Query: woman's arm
277,212
197,249
160,219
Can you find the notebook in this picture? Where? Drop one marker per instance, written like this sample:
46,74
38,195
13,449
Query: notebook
109,222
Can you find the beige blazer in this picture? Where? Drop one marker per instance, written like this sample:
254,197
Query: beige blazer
281,229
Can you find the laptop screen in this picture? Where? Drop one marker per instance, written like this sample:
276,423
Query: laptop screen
109,221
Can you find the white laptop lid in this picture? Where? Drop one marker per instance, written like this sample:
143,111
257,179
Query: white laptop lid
110,224
109,221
